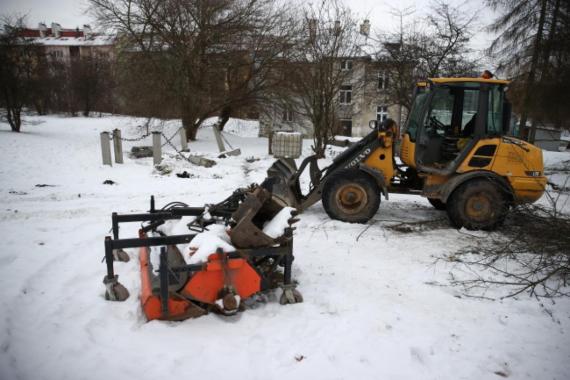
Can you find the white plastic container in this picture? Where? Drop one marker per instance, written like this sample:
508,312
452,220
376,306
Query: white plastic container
287,144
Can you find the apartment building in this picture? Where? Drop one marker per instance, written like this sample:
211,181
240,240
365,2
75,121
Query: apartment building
362,98
66,44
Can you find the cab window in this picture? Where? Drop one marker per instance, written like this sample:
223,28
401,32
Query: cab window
454,111
495,114
470,106
441,111
414,119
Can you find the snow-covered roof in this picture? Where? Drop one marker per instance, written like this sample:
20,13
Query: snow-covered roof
100,40
367,46
57,36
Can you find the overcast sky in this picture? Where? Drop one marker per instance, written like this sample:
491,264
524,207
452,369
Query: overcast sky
71,13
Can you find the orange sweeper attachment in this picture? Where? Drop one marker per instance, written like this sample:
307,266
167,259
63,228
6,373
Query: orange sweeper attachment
247,261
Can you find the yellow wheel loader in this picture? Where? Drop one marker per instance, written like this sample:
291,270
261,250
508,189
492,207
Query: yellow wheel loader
454,151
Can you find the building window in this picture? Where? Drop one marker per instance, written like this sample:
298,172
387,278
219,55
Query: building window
346,65
57,54
381,113
74,51
288,115
382,80
346,127
345,95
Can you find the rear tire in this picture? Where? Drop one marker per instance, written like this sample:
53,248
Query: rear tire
477,205
437,204
351,196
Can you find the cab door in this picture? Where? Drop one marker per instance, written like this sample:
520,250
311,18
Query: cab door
408,144
454,117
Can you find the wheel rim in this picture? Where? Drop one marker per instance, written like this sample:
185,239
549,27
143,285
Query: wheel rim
351,198
479,207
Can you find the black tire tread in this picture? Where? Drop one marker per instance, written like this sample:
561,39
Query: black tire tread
456,202
350,176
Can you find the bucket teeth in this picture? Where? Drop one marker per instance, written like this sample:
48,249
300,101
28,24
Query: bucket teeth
293,221
278,180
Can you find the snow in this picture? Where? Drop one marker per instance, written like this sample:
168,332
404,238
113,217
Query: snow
555,159
287,134
347,138
100,40
239,127
207,242
376,303
276,227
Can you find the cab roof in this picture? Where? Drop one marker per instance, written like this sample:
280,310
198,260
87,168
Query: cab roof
464,79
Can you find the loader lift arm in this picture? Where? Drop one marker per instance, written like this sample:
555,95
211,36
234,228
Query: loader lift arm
283,177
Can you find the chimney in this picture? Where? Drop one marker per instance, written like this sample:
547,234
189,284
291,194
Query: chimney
42,28
55,30
337,28
87,31
312,29
365,28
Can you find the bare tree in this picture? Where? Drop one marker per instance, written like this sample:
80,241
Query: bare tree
423,47
212,57
531,256
91,82
19,61
446,43
321,79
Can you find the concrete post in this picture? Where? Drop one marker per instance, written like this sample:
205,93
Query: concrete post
183,139
106,148
118,145
156,148
218,136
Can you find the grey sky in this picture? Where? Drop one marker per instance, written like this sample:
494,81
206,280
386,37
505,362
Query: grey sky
70,13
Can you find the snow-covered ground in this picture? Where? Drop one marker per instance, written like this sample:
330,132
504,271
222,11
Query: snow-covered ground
376,304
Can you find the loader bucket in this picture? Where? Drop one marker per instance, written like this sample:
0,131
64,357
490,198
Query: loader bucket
258,208
282,182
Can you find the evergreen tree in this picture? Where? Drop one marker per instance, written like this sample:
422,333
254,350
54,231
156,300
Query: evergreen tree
532,45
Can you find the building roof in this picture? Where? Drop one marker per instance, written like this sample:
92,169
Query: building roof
65,37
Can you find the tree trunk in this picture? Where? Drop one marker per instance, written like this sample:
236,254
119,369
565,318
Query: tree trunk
188,122
87,106
319,141
15,118
550,41
40,107
532,73
318,147
224,117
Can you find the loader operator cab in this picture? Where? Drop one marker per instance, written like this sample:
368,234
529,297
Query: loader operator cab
448,117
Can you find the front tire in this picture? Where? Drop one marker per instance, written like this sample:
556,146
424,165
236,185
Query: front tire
351,196
477,205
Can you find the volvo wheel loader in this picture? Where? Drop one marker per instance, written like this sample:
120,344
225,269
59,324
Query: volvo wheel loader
455,151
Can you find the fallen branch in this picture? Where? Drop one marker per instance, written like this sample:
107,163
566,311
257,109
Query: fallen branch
531,256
